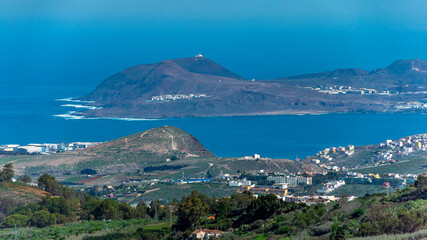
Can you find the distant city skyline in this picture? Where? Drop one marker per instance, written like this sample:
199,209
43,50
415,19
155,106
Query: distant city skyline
84,42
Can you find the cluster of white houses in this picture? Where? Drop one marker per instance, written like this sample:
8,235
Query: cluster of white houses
331,186
323,158
411,105
44,148
385,154
339,89
176,97
406,145
327,154
239,183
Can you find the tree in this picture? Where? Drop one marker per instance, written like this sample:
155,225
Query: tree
88,204
241,201
125,211
58,205
421,183
7,205
190,210
142,210
42,218
48,183
15,219
339,234
24,179
106,210
68,193
263,207
7,173
223,208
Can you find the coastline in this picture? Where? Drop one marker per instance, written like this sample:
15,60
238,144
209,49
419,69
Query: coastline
75,115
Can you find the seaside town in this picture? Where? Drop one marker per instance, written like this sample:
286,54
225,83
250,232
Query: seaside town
411,105
44,148
334,89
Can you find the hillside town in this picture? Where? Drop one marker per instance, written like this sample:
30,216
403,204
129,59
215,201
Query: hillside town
388,152
176,97
305,187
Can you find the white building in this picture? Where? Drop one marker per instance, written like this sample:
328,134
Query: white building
407,150
291,181
239,183
30,149
331,186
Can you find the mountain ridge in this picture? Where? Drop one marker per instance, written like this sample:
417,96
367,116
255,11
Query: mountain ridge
161,151
199,87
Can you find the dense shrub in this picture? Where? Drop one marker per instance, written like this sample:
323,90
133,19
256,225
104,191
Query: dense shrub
15,219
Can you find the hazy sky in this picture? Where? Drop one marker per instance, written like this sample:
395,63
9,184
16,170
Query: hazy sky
83,42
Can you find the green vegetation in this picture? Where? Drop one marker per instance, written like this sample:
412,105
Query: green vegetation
359,189
81,229
167,191
422,234
24,179
7,173
415,165
67,206
65,213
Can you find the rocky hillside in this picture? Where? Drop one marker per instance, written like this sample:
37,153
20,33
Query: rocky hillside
164,141
157,146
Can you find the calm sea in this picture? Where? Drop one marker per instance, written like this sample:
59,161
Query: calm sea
27,116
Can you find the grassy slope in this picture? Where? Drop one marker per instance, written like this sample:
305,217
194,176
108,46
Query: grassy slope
178,191
20,192
359,190
76,230
422,234
414,166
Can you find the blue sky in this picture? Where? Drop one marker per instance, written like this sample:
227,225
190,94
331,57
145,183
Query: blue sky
83,42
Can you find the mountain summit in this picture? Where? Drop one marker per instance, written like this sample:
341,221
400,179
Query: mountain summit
202,65
193,75
405,66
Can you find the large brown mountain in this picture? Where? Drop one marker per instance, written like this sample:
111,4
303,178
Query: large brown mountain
177,76
168,89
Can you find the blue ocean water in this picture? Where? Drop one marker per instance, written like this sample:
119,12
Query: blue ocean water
27,116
